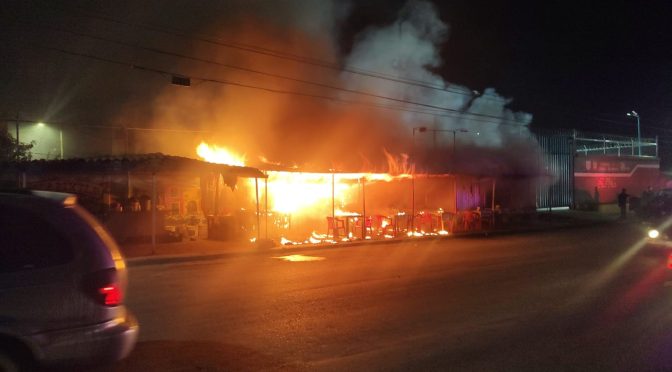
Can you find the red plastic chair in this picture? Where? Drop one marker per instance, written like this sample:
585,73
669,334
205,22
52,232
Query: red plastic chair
335,228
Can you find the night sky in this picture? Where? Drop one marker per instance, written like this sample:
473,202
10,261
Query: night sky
570,64
577,64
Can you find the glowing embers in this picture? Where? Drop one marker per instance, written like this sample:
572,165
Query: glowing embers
300,258
419,234
314,238
351,206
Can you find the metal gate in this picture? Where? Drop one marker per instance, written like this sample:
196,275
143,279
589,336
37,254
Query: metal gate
556,188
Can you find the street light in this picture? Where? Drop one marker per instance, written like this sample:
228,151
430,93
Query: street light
60,138
39,125
633,113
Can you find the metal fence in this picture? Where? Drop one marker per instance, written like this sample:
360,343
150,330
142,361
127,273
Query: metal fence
556,189
605,144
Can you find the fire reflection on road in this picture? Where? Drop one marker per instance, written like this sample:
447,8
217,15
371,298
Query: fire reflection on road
300,258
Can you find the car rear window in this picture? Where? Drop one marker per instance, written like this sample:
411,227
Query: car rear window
28,241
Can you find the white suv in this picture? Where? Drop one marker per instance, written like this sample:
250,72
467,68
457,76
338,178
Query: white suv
62,283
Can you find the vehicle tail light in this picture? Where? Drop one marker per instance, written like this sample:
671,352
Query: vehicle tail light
111,295
669,261
103,287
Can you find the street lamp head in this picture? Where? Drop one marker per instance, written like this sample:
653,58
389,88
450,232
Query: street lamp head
633,113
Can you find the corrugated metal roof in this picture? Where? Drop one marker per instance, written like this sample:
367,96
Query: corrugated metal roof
134,163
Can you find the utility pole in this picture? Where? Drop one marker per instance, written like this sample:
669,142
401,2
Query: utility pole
60,136
16,151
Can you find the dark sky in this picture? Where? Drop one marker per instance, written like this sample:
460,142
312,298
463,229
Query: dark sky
577,64
571,64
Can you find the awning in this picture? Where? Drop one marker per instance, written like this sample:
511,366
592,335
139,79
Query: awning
156,163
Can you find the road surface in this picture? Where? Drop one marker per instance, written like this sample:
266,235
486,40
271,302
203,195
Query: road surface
589,299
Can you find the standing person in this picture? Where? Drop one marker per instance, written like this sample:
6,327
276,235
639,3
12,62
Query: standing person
647,195
646,201
623,202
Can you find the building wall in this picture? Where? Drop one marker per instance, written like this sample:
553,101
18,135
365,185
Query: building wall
610,174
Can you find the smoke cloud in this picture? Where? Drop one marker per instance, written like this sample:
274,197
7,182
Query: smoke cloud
256,115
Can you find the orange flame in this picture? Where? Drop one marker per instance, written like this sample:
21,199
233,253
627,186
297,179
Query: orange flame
297,192
220,155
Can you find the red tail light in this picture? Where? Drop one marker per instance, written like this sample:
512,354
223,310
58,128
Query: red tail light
103,287
669,261
111,295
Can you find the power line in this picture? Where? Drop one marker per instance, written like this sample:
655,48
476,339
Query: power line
86,13
302,81
295,57
272,90
144,129
260,50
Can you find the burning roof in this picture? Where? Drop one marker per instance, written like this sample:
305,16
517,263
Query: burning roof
139,163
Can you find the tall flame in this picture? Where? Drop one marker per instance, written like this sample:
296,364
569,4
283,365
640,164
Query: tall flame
220,155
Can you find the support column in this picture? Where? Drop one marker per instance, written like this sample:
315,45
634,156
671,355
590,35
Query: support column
266,206
129,190
216,201
334,226
364,209
413,202
256,193
153,213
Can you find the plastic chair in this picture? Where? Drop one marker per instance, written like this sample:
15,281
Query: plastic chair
383,225
401,224
368,225
337,227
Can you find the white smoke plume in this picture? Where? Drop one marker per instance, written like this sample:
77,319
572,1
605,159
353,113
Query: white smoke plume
408,49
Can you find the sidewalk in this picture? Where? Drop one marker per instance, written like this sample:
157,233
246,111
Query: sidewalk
200,250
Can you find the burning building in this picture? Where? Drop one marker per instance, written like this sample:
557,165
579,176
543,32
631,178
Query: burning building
315,206
343,137
341,126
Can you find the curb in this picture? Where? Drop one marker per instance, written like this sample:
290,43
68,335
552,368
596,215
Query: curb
186,258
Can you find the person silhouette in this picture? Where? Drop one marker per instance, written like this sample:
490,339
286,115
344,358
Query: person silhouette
623,203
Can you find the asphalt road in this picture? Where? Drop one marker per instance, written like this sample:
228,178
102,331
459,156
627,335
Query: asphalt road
580,299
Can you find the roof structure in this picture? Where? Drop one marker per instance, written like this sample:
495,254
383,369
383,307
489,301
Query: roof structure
155,163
